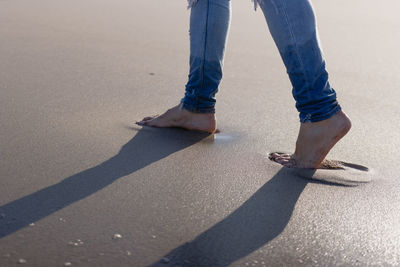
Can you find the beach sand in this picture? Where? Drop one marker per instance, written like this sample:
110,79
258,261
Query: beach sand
81,184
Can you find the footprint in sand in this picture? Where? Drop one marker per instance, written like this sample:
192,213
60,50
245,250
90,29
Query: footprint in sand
334,172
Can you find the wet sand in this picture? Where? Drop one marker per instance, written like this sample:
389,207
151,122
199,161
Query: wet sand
81,184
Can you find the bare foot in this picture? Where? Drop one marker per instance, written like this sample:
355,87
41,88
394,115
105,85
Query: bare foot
182,118
314,142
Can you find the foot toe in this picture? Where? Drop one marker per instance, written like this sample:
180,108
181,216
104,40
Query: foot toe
154,123
283,159
150,117
146,121
141,123
275,155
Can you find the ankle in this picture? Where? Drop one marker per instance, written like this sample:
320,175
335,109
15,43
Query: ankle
343,122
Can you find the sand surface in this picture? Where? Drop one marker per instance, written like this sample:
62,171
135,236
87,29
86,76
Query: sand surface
81,184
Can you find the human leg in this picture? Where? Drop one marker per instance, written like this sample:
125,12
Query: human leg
209,25
293,28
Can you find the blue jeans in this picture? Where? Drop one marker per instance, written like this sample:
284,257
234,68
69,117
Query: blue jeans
293,28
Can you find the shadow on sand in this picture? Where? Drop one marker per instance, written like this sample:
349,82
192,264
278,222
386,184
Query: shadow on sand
147,146
256,222
260,219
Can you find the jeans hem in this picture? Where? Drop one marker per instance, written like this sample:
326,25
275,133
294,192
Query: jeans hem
198,110
321,117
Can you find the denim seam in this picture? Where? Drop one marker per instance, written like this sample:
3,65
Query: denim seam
275,6
295,45
204,55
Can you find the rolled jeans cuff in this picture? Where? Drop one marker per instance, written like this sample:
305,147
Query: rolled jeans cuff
195,108
305,118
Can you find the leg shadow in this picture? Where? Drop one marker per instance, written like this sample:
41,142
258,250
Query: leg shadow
259,220
149,145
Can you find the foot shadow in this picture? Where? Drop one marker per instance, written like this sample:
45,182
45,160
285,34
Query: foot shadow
147,146
255,223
